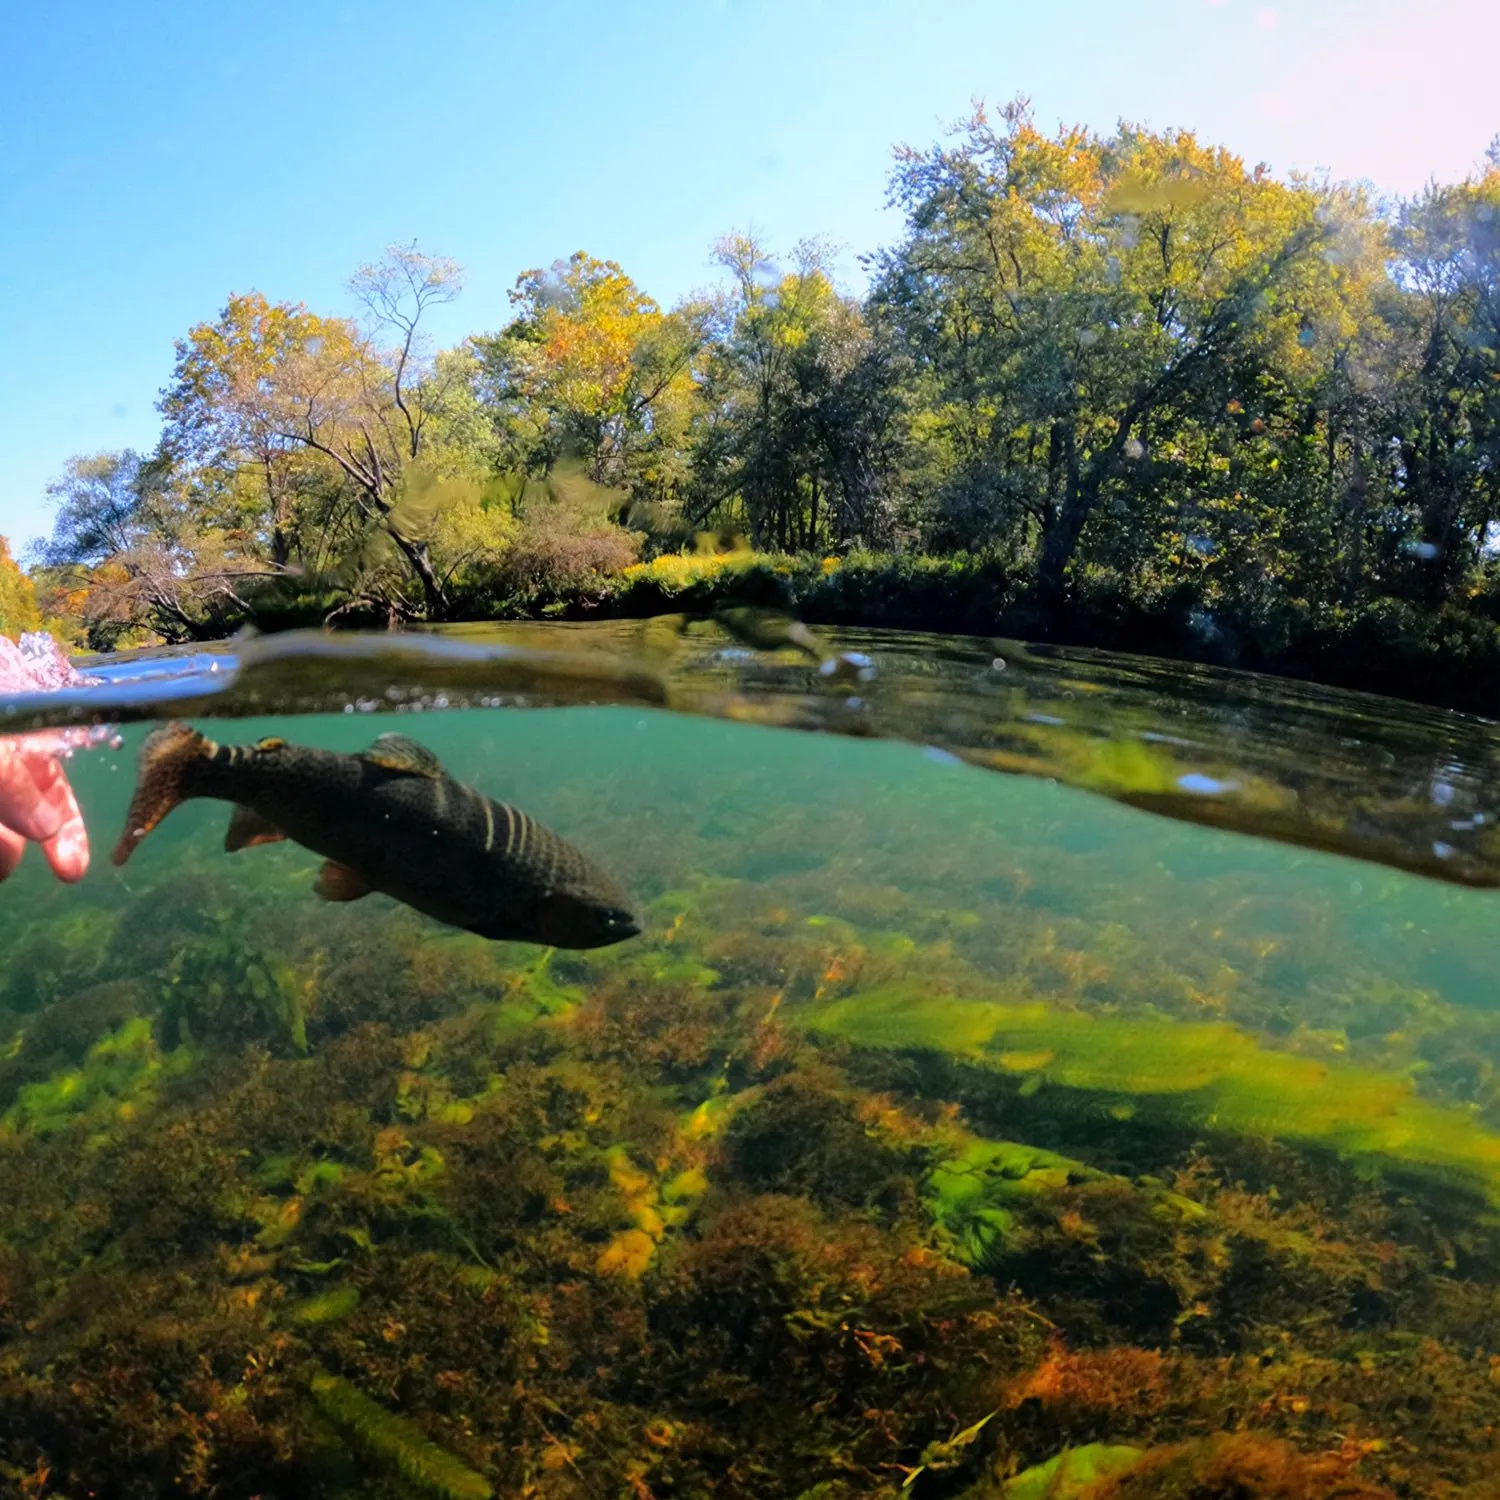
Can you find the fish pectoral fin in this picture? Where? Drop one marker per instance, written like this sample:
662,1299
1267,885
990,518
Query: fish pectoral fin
338,882
248,827
394,752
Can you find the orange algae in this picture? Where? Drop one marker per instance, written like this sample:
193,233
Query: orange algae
629,1253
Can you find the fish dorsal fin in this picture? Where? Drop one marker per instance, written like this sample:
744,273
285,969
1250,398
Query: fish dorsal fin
394,752
338,882
248,827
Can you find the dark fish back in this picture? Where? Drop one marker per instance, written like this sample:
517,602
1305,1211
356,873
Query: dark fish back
391,820
466,858
533,863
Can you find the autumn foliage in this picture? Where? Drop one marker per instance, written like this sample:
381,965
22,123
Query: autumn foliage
1163,392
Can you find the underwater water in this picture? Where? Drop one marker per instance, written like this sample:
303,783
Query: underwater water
944,1132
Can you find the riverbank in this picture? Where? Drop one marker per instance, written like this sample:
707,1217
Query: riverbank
1449,658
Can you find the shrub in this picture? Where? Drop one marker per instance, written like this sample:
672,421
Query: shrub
552,565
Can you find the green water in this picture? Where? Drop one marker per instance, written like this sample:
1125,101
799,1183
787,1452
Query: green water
940,1123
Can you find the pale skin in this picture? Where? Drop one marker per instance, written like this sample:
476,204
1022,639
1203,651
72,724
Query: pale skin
38,806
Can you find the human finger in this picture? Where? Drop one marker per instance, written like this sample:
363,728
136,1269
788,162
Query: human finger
56,794
28,799
12,847
67,850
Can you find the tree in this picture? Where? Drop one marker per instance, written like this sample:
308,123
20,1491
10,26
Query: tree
591,368
275,386
98,500
1443,394
795,427
222,416
18,606
133,545
1073,297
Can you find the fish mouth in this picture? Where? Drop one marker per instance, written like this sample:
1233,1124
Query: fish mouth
566,924
615,927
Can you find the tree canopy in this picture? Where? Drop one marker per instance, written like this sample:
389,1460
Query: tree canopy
18,606
1125,360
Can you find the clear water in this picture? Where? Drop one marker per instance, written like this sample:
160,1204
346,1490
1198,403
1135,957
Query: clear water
942,1124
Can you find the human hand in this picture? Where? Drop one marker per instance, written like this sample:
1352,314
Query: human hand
36,803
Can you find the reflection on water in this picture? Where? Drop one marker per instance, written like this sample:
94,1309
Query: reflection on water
944,1132
1368,777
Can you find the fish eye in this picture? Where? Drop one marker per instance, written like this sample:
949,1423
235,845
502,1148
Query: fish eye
271,743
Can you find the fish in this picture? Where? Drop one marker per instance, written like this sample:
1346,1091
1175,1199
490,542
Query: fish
769,630
389,819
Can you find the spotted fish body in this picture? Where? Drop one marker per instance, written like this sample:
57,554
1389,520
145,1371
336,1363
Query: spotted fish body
390,820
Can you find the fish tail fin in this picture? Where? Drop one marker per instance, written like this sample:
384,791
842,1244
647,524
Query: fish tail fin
167,760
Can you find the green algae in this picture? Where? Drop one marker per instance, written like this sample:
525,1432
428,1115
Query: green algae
319,1176
534,993
973,1195
687,1186
395,1443
116,1081
332,1306
1070,1474
1213,1075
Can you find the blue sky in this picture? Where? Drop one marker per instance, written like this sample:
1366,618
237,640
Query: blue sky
156,158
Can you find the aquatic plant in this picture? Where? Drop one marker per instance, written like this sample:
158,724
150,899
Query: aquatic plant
809,1133
332,1306
974,1192
57,1038
115,1081
630,1252
1072,1475
1243,1464
395,1443
778,1302
808,1192
228,991
56,955
1214,1076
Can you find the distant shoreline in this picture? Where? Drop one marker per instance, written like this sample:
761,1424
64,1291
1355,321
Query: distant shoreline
1448,658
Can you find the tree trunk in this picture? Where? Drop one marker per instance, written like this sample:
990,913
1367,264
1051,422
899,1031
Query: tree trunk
1064,524
419,560
1438,508
1058,546
281,549
1356,503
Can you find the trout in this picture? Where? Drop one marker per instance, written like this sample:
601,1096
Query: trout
389,819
